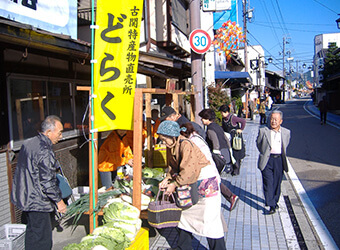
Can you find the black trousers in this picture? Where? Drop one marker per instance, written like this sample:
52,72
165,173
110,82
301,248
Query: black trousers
323,116
38,231
262,118
272,178
185,241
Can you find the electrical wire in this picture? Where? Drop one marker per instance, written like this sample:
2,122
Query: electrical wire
325,6
268,17
83,122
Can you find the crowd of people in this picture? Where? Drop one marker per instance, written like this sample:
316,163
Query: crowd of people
191,148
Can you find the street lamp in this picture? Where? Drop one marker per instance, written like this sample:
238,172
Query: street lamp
338,22
270,60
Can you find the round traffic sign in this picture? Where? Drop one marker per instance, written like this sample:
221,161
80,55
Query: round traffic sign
200,41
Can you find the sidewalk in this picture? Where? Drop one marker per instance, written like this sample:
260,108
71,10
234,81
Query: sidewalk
248,225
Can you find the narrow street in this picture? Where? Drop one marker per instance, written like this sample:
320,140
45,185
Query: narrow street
314,153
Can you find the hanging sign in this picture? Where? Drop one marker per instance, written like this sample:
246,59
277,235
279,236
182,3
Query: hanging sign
216,5
200,41
59,17
116,53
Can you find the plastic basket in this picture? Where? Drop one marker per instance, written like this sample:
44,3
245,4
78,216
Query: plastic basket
12,237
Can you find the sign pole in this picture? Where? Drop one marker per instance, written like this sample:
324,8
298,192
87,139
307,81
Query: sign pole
196,59
93,215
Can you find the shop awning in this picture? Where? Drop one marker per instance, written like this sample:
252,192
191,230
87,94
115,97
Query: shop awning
241,76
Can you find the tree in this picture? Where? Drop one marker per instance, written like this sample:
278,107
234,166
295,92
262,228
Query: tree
331,62
217,97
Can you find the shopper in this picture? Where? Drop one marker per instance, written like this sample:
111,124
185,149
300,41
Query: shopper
35,190
169,114
218,144
262,112
187,165
234,125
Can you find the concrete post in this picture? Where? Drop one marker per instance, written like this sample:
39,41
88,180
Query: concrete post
196,59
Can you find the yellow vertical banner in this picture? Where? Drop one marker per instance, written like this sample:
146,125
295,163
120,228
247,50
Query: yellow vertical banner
116,51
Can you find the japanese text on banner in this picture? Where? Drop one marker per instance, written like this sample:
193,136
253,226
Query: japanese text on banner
116,52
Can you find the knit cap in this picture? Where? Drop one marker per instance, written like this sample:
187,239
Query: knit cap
170,128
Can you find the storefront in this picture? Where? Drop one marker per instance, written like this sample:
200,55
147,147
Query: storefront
40,73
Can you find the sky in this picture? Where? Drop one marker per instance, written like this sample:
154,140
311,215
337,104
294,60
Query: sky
298,21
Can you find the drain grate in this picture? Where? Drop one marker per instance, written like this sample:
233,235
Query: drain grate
295,224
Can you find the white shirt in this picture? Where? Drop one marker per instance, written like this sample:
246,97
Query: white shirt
276,141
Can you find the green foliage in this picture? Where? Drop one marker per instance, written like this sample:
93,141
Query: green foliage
238,103
331,62
217,97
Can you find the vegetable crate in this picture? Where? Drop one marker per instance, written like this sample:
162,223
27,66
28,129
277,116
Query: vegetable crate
141,241
159,156
12,237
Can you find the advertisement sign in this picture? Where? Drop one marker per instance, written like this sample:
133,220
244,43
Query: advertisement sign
216,5
58,17
223,16
116,52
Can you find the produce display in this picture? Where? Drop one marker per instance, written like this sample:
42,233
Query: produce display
121,225
121,219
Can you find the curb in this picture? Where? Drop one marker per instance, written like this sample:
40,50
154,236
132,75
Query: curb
321,230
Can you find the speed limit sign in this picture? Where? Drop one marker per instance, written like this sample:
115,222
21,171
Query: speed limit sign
200,41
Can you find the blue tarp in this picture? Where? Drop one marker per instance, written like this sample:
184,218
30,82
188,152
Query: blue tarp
232,75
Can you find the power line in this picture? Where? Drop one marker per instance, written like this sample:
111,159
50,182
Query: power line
308,31
264,49
283,21
325,6
306,24
268,17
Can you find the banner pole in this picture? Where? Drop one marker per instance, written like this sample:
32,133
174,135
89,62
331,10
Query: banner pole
92,118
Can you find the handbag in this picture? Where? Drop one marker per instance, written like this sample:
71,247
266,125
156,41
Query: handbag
237,141
186,195
221,163
63,184
163,213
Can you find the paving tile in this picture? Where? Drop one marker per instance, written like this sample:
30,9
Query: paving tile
248,226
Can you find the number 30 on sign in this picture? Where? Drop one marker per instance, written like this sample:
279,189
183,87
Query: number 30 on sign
200,41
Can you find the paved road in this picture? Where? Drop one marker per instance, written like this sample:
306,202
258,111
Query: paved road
314,153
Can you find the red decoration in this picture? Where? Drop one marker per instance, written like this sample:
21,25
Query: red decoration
228,38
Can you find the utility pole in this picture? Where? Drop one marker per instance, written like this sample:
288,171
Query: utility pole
196,59
244,10
283,69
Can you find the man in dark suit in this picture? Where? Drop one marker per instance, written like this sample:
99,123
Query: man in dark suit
272,144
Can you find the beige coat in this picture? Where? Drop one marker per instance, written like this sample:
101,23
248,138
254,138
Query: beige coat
186,160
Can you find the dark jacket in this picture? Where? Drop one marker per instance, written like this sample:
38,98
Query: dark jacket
182,120
230,124
35,184
218,141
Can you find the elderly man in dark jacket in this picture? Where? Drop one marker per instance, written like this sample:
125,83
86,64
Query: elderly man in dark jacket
35,190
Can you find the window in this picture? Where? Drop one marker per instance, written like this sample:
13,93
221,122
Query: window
32,100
